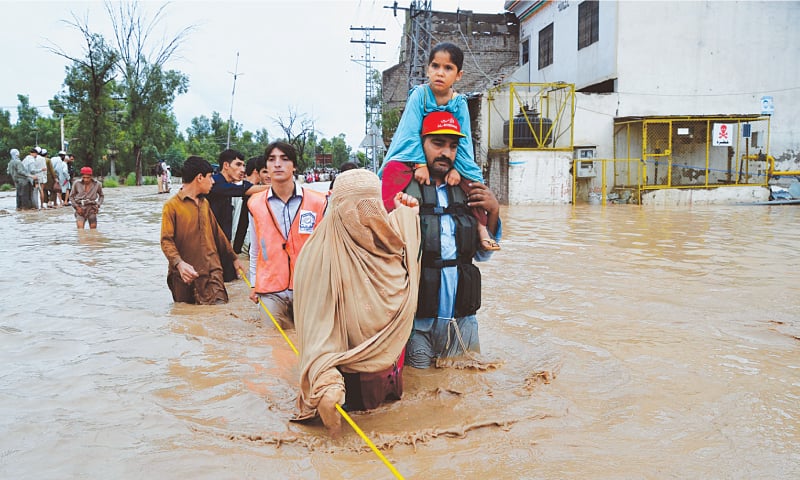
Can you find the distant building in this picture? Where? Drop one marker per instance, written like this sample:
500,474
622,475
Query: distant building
663,84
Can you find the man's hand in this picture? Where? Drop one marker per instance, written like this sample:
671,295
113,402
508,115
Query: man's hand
237,267
407,200
452,178
480,196
188,273
422,175
253,295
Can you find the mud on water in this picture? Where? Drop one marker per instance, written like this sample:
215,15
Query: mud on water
618,342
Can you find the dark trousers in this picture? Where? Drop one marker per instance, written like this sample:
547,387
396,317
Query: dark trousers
24,192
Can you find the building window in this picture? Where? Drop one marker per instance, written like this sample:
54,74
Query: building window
525,51
588,23
546,46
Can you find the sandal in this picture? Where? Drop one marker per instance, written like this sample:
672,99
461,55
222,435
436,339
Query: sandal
489,245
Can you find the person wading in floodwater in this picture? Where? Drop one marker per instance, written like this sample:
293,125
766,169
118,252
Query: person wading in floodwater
193,241
356,283
450,284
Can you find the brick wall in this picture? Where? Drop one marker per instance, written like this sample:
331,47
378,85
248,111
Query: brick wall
488,39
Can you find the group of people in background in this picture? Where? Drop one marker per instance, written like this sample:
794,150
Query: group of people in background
41,181
375,275
44,182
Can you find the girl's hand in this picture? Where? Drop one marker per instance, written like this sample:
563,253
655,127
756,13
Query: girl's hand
452,178
422,175
407,200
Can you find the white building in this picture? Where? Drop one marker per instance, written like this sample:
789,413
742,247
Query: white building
686,64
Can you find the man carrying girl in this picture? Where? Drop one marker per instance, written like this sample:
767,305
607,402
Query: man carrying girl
405,156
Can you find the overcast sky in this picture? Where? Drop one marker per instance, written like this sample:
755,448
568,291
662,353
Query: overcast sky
294,54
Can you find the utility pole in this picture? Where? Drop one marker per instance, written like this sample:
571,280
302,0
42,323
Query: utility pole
235,74
420,15
372,104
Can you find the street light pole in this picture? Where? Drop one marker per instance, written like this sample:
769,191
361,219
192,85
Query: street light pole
235,74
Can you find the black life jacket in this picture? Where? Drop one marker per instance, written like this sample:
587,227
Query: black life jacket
468,291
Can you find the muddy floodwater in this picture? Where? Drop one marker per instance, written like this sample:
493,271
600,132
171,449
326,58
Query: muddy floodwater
632,342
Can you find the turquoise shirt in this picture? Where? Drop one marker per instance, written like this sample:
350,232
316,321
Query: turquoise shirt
406,144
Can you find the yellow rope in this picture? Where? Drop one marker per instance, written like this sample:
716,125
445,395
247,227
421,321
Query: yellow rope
270,316
338,407
368,441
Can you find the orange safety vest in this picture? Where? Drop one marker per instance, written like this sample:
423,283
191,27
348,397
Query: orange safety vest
276,256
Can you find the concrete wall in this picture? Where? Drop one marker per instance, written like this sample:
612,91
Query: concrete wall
699,196
539,177
583,67
681,58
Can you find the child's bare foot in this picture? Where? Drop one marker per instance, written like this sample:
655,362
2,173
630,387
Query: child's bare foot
487,242
327,411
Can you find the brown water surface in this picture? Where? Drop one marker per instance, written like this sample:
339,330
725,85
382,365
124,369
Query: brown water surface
633,343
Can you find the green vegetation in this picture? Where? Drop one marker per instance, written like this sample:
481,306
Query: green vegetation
110,182
6,187
130,180
117,108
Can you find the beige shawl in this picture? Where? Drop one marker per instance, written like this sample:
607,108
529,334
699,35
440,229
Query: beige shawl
356,286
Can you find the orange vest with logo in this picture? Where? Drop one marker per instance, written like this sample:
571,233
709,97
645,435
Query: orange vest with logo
276,256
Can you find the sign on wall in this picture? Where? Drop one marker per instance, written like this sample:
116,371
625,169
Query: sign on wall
723,134
767,106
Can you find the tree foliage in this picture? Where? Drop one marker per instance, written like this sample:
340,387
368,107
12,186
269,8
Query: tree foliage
148,86
116,105
88,98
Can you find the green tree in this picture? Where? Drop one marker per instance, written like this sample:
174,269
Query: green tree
206,136
26,128
390,119
149,88
340,150
6,140
87,99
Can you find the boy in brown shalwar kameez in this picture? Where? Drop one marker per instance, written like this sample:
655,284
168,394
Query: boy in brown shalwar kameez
192,240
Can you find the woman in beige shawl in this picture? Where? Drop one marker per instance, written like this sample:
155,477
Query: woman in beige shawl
356,286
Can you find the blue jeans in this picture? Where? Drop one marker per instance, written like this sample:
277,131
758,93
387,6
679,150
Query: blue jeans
438,337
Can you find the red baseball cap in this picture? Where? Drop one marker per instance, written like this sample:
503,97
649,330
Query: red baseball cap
441,123
86,171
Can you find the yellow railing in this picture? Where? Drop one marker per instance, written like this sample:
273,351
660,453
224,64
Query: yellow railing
607,184
531,116
655,153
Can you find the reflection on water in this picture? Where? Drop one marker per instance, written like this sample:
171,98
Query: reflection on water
635,343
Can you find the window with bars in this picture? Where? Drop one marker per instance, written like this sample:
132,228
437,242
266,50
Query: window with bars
588,23
546,46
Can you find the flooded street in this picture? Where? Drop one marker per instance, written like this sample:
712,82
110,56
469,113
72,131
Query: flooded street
635,342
